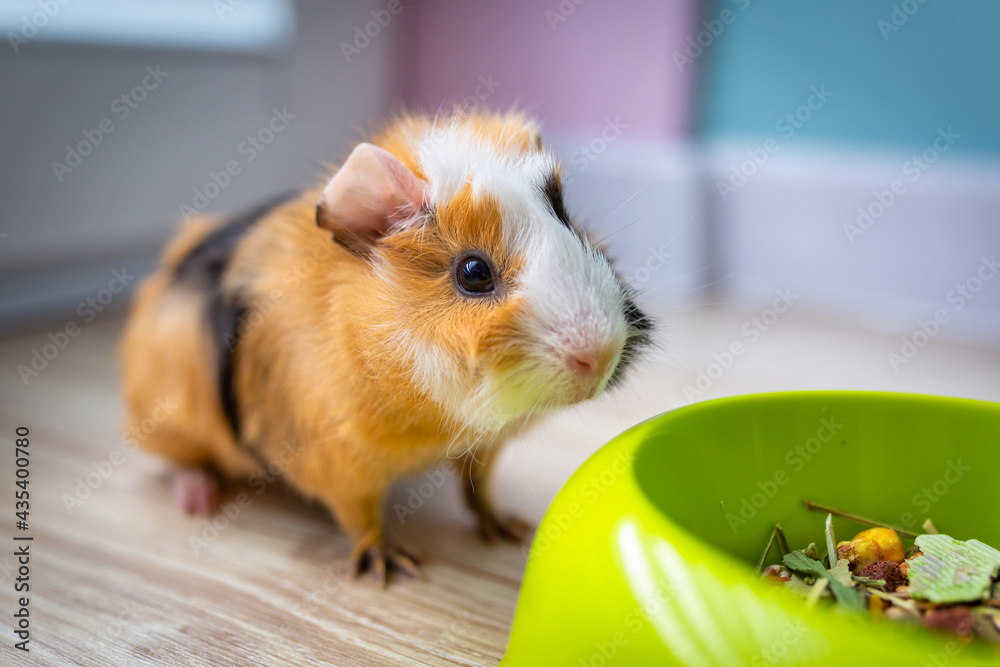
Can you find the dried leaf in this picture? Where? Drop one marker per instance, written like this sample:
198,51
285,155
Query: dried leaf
951,571
848,598
842,572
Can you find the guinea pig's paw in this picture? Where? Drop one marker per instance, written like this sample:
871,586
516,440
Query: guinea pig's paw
492,527
196,491
380,559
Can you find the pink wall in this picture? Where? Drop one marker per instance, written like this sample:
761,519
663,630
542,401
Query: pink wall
605,60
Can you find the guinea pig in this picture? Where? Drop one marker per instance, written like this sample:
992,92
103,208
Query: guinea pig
423,303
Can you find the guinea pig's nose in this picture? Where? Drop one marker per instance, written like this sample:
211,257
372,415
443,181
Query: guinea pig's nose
590,361
583,363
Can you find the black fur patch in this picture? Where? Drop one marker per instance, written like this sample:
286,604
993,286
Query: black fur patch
226,314
202,269
553,193
640,335
205,263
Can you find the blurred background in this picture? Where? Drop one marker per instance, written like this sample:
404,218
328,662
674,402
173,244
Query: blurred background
806,195
726,151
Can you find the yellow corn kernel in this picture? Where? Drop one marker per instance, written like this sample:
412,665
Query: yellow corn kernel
859,553
887,540
870,546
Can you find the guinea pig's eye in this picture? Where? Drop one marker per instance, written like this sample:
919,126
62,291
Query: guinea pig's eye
474,275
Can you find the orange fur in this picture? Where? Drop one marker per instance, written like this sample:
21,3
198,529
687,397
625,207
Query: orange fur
167,358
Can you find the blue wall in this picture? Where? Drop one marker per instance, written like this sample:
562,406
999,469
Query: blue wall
940,68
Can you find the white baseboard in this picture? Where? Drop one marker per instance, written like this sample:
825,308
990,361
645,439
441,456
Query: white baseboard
796,223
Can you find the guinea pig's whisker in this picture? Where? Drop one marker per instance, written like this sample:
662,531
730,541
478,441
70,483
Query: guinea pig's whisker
698,304
624,203
682,228
646,290
623,228
714,282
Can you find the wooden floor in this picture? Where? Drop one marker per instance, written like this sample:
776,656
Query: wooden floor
118,577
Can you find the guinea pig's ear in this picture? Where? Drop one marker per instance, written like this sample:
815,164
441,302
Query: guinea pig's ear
371,193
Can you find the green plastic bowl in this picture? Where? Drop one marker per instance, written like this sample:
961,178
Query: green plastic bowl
646,555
